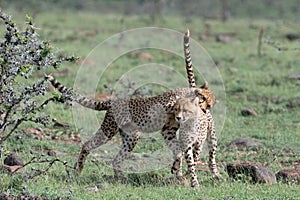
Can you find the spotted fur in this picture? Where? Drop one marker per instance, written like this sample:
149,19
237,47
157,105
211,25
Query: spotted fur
188,60
194,129
131,117
200,124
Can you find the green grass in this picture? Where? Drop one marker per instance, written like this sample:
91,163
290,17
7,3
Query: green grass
260,83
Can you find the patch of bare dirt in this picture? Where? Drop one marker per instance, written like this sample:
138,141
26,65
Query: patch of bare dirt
66,136
142,55
244,143
11,169
86,62
5,196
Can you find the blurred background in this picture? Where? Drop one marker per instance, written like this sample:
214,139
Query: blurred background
224,9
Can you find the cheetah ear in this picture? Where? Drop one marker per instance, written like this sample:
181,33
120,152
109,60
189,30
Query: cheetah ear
205,85
198,92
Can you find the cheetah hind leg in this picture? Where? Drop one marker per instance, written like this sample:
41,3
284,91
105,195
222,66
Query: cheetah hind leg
129,140
107,130
212,146
97,140
169,134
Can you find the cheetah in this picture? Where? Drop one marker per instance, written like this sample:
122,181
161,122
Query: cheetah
205,115
194,129
132,116
209,99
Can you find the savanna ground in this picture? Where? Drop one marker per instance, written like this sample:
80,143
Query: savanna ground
264,83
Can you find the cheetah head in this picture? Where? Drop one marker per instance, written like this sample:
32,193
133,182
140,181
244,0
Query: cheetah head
206,97
186,108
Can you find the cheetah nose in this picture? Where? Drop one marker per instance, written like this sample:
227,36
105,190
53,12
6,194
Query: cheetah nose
178,119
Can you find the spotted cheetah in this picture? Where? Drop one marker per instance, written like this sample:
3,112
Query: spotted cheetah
209,100
194,129
205,115
132,116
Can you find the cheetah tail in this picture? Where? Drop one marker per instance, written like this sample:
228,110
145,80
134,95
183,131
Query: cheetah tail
84,101
188,60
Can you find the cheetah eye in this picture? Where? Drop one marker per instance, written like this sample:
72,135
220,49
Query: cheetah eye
203,99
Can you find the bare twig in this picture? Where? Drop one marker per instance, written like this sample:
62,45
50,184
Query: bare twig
260,36
36,160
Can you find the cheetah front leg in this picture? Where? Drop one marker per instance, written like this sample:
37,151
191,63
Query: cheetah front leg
197,151
188,149
107,130
129,141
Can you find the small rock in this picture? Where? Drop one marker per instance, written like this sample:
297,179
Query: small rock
177,180
52,152
145,56
142,55
289,175
244,143
294,75
292,36
146,155
203,37
61,124
248,112
232,70
12,160
225,37
94,188
258,174
264,175
87,33
77,137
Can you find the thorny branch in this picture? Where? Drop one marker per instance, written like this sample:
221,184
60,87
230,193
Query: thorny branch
41,160
22,53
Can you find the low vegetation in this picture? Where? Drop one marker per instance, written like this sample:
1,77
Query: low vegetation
267,83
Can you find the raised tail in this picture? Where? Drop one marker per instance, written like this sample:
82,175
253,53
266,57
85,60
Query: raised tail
188,60
84,101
